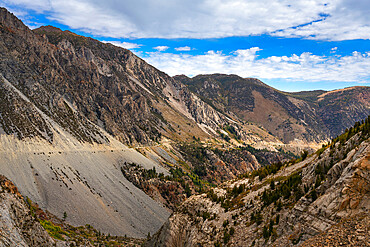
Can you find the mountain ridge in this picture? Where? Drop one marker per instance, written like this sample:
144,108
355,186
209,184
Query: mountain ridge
81,120
89,56
66,115
305,111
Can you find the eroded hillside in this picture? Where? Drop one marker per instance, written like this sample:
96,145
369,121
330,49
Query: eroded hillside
312,116
18,226
69,104
90,129
284,204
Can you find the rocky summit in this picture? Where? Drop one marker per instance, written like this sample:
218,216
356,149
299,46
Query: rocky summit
99,147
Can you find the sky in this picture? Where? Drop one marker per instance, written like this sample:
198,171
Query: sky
291,45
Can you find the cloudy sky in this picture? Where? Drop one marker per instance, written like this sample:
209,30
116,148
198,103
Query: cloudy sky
291,45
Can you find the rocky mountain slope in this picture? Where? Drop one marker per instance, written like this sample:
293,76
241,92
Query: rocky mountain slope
110,86
24,223
55,154
311,116
69,104
78,116
18,227
63,174
285,204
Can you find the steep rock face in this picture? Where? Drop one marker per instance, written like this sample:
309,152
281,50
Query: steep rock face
18,227
309,116
339,109
317,195
73,166
60,95
53,152
109,85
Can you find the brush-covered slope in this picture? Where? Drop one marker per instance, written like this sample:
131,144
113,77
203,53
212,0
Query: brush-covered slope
310,116
285,204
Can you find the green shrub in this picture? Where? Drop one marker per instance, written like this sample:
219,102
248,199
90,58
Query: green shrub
226,237
53,230
232,231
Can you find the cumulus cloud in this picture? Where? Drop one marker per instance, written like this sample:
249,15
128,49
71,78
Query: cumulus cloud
126,45
161,48
246,63
183,48
333,50
314,19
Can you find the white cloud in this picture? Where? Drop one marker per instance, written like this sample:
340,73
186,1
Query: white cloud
345,20
36,5
334,20
126,45
184,48
161,48
304,67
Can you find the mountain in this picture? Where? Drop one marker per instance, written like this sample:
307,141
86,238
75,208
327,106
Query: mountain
53,153
312,116
71,105
93,131
316,200
110,86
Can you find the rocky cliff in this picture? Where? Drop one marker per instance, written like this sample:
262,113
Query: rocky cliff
311,203
17,225
108,85
72,109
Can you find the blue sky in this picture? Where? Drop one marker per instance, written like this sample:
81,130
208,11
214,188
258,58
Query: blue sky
290,45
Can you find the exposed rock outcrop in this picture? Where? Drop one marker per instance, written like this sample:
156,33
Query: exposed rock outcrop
323,194
17,225
69,105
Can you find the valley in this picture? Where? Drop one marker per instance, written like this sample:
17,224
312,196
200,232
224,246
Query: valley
93,136
283,204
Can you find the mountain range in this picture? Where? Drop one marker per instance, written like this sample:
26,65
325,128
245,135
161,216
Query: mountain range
91,130
312,116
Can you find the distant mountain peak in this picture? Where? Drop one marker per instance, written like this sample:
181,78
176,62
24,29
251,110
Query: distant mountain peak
48,28
341,90
9,20
52,29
